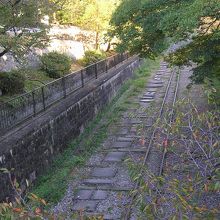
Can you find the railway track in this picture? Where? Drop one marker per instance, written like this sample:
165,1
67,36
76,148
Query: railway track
103,190
149,147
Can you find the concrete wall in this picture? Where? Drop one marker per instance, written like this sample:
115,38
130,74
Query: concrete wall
31,149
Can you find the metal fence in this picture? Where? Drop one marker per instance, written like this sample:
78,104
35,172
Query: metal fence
29,104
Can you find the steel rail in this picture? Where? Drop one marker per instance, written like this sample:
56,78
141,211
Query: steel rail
170,121
167,136
128,212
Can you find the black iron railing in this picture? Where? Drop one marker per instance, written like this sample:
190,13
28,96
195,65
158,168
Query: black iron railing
29,104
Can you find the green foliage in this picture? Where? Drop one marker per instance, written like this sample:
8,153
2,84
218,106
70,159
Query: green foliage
144,27
212,90
56,64
35,78
91,57
71,12
11,82
93,15
20,26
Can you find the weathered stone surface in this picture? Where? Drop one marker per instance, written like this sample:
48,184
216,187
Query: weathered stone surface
88,206
84,194
123,131
156,82
151,89
114,156
146,100
135,121
98,181
100,195
150,94
133,129
157,78
112,217
147,97
127,139
121,144
154,86
104,172
32,147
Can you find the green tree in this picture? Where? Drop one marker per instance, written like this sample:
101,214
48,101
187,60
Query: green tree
93,15
71,12
146,26
21,27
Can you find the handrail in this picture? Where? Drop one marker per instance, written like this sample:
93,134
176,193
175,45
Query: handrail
29,104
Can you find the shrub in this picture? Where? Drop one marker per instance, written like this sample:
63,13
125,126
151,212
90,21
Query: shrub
11,82
91,57
56,64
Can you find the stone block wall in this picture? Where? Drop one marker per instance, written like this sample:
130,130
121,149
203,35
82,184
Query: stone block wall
31,149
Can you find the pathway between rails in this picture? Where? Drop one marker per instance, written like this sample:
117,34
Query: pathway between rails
105,186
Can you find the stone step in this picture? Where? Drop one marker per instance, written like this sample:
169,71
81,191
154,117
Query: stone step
103,216
126,139
105,188
152,86
106,172
152,90
119,150
91,194
98,182
121,144
114,156
85,205
146,100
155,82
152,94
147,97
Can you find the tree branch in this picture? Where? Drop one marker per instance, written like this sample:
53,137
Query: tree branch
4,52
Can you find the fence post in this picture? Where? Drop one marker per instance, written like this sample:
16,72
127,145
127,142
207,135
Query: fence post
82,78
115,61
106,65
43,98
96,71
34,103
64,87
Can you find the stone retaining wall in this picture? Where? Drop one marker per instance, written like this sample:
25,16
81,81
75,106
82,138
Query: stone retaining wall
31,148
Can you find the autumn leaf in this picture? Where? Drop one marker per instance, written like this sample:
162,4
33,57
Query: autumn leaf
17,210
206,188
38,211
43,201
165,143
17,200
34,196
142,141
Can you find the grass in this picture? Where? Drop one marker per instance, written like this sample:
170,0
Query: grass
53,184
35,78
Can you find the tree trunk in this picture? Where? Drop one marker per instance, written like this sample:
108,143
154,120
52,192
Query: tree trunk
97,40
109,46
